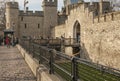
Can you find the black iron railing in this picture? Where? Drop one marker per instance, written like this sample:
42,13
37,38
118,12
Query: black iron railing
70,68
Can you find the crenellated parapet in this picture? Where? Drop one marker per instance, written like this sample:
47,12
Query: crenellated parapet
72,7
50,3
89,7
113,16
12,5
31,13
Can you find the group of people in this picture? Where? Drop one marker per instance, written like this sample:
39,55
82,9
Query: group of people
11,41
8,41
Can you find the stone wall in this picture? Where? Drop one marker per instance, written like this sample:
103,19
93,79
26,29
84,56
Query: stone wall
34,25
60,30
100,37
102,43
107,17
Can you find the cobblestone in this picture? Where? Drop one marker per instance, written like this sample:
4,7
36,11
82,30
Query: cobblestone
13,67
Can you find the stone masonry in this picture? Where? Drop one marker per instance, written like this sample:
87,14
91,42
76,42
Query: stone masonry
99,35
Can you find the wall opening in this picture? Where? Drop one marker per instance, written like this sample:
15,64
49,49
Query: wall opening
76,35
76,31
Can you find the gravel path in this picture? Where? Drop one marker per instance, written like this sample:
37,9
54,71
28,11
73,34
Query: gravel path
13,67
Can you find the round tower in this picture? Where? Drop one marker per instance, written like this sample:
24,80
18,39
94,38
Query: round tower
12,13
50,17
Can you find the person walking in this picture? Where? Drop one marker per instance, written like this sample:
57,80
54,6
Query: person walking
7,41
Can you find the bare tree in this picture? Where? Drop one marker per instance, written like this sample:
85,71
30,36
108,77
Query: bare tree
2,12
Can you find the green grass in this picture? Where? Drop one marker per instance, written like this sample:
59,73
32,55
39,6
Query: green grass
86,73
62,74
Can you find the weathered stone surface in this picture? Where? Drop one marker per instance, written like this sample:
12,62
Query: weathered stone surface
13,67
100,37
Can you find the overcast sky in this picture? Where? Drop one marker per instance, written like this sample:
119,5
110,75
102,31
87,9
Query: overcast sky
36,4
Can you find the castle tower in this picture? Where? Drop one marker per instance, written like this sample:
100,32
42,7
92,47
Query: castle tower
12,12
50,17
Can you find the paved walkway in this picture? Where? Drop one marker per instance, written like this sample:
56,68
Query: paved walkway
13,67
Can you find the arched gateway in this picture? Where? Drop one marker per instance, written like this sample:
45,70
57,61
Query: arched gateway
76,31
76,35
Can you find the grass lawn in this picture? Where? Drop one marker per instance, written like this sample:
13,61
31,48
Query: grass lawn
85,73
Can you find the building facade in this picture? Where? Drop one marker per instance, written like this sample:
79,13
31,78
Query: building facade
34,24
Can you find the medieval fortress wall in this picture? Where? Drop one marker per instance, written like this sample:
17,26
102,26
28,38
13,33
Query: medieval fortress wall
34,24
31,23
100,37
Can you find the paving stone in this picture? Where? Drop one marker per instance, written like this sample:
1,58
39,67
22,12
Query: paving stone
13,67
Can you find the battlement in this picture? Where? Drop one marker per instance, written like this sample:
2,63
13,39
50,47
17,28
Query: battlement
107,17
82,6
49,3
89,7
31,13
12,5
73,7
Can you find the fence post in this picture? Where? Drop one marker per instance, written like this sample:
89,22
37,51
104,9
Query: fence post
40,57
33,50
74,69
51,62
29,45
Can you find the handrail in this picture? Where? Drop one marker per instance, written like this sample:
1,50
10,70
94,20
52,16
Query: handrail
74,67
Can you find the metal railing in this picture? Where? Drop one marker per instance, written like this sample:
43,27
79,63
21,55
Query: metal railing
70,68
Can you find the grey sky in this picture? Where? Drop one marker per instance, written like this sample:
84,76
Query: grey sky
36,4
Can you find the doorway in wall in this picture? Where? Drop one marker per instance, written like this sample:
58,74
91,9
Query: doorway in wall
76,36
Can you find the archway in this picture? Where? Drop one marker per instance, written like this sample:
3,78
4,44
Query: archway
76,31
76,35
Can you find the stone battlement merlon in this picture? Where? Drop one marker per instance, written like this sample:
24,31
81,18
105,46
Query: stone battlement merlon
71,7
90,7
31,13
107,17
49,3
82,6
12,5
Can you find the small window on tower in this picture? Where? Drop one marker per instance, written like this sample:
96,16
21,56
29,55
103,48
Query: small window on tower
21,18
25,26
38,26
